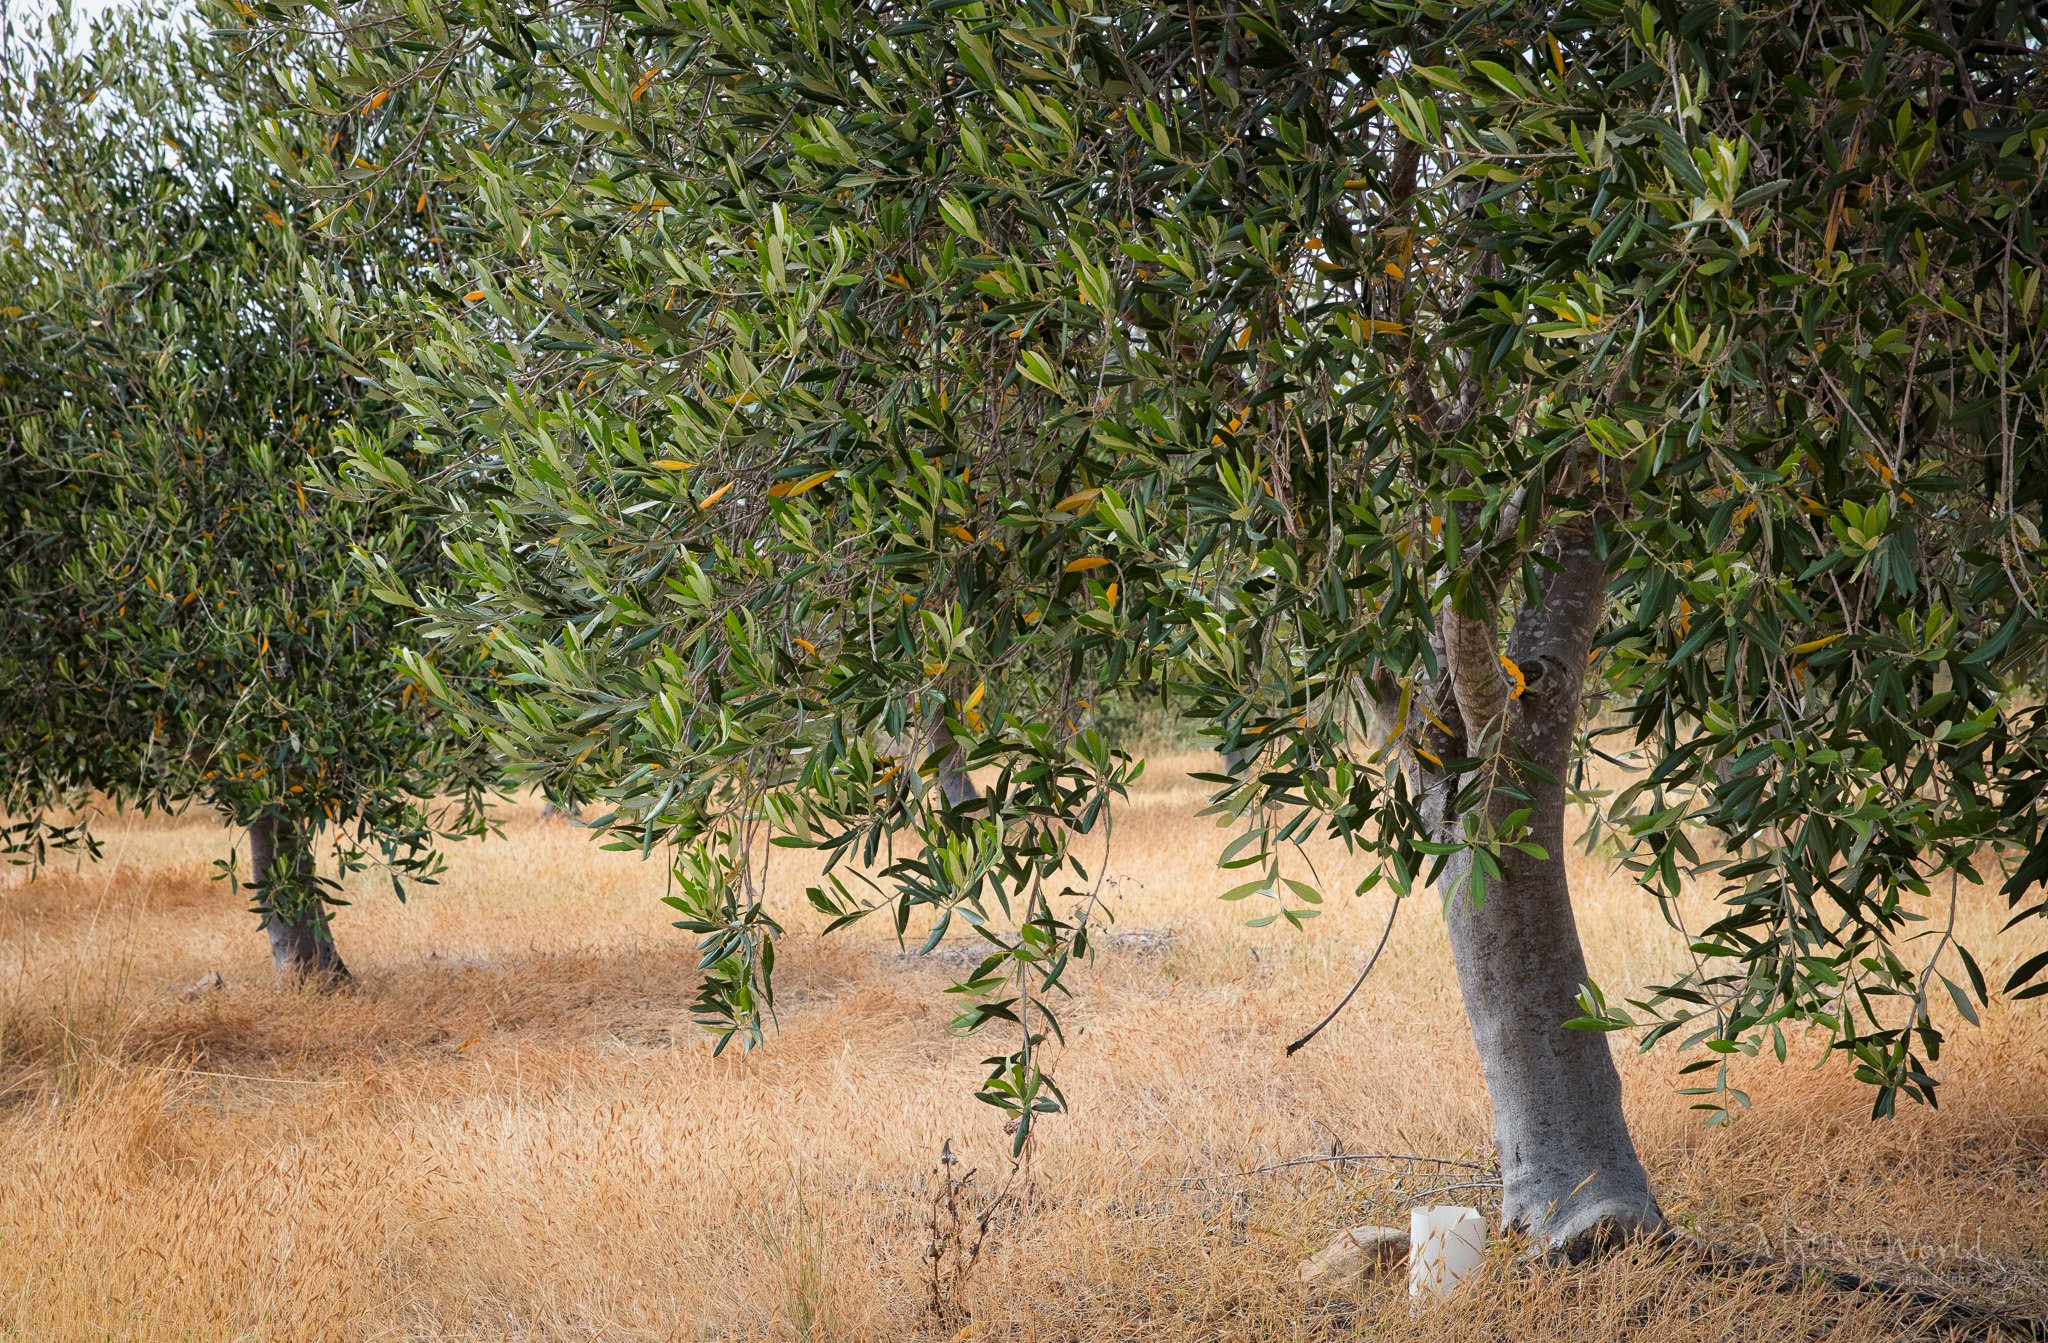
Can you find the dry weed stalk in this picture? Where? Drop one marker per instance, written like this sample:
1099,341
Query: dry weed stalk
955,1233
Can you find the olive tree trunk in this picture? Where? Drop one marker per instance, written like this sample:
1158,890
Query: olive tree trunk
955,784
295,920
1571,1177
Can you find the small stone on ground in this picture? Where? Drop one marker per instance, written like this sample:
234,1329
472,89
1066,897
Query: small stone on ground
1352,1255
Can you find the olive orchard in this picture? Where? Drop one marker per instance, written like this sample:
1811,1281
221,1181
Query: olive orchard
857,391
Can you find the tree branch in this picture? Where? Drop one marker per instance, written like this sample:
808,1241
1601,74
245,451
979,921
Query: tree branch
1479,684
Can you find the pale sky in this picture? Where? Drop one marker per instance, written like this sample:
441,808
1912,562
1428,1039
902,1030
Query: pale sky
27,17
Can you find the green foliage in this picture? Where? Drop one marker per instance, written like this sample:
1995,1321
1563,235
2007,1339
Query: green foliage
853,384
183,617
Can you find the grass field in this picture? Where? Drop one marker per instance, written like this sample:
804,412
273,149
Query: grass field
511,1130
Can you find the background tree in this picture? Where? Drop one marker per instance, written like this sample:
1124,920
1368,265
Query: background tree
1369,380
183,618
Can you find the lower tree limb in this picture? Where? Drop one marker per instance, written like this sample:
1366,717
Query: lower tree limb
301,941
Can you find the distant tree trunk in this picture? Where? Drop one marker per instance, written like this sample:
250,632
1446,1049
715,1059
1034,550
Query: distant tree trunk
301,943
954,782
1569,1168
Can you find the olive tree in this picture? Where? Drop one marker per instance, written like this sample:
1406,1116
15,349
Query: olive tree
1426,400
181,615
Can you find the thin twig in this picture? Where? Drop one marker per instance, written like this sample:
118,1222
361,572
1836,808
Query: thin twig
1427,1194
1356,985
1335,1159
232,1077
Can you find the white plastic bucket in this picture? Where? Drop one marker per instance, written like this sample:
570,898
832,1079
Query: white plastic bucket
1444,1244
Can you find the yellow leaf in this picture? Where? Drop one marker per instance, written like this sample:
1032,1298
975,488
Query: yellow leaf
1077,501
670,464
1082,566
791,489
475,296
980,689
383,97
1394,269
807,646
1313,244
716,495
1109,594
1521,683
1431,756
271,215
1031,617
961,534
1400,719
1815,645
1374,327
1440,726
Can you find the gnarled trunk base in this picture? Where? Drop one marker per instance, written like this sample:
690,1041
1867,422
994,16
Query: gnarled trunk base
304,954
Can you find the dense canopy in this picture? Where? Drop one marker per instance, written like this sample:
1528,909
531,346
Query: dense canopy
1437,404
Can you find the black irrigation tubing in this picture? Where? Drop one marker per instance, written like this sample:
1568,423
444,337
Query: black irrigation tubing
1974,1319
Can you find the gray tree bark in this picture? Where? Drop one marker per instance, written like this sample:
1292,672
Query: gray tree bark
1571,1176
301,943
954,782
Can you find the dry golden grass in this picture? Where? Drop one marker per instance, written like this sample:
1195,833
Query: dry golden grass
511,1130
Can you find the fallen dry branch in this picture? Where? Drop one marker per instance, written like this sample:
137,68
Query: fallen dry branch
1341,1159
